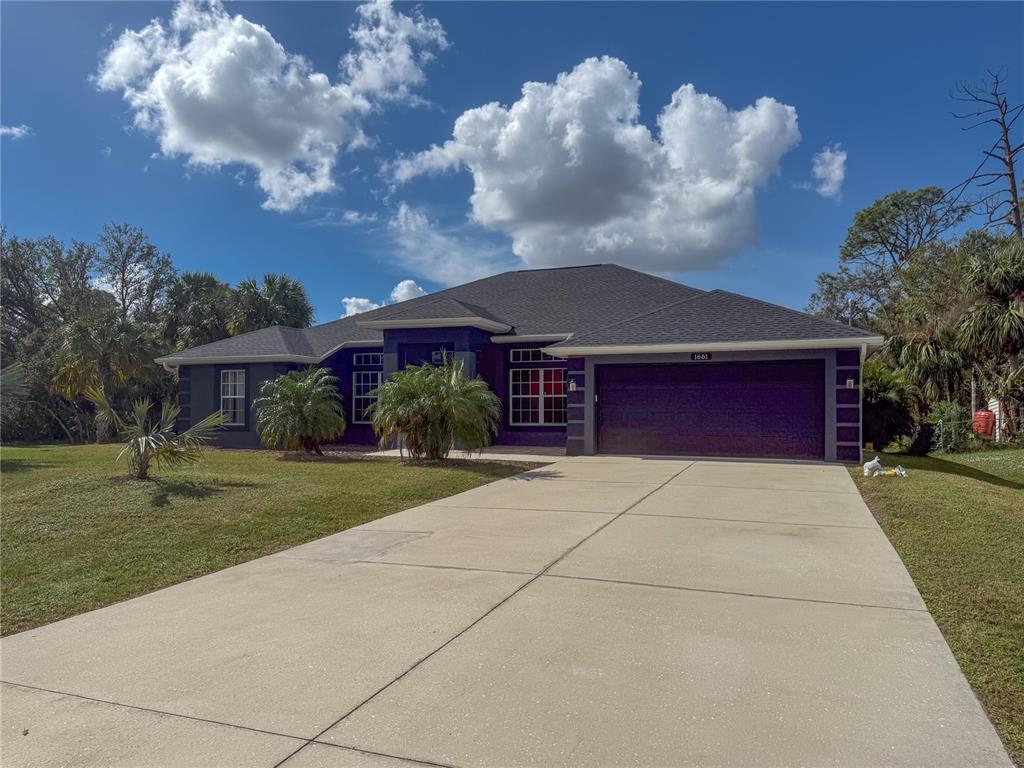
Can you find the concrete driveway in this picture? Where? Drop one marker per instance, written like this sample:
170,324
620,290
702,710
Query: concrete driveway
596,612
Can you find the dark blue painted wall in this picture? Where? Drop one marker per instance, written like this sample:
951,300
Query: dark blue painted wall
199,396
203,396
199,388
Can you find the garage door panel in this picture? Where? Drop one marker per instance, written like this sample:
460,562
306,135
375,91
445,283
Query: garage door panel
721,409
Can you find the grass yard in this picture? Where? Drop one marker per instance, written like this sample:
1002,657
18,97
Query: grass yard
958,524
76,535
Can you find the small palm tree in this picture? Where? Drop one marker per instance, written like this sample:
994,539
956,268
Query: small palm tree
992,329
154,442
930,358
300,409
434,409
278,300
196,311
994,324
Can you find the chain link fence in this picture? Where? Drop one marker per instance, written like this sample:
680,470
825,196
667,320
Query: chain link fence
952,434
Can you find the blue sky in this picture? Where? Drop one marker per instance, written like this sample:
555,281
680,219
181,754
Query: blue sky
321,170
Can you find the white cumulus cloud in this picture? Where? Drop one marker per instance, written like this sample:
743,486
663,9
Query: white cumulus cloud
391,51
219,89
447,256
573,176
15,131
404,290
829,169
355,305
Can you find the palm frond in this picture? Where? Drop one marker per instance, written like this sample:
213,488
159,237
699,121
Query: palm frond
149,442
300,410
433,409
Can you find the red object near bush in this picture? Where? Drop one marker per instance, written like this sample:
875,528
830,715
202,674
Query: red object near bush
984,423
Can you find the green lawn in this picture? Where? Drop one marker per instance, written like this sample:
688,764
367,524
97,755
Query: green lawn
958,524
76,535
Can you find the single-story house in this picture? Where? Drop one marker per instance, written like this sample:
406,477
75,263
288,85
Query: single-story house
599,359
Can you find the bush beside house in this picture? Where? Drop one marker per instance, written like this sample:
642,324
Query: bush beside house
300,410
432,409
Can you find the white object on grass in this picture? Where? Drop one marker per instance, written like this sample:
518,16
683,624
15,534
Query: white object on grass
872,467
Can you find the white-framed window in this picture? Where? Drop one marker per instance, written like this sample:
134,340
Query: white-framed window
529,356
232,396
537,396
363,383
368,359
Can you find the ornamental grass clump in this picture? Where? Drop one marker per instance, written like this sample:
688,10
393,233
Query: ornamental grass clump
435,408
300,410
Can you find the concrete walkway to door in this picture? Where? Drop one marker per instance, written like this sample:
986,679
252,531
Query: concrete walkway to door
594,612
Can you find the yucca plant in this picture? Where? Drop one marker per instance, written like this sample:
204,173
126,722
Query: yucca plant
150,442
300,409
434,408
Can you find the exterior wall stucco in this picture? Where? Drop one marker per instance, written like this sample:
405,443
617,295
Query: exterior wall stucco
199,387
204,398
199,392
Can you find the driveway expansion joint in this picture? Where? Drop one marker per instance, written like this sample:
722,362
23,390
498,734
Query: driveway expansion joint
758,522
153,710
527,509
484,615
730,592
378,754
447,567
221,723
854,492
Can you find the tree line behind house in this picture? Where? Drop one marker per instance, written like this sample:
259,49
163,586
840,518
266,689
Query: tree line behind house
940,273
83,322
95,314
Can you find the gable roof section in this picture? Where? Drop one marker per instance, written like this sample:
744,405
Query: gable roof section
436,311
716,318
562,300
277,344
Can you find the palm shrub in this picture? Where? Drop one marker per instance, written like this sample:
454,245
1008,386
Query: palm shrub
992,329
890,402
951,426
300,409
154,442
435,408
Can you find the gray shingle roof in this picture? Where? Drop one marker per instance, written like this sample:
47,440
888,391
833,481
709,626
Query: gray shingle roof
279,342
713,317
433,307
551,301
602,304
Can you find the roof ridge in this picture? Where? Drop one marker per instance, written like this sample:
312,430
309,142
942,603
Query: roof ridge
659,278
616,324
564,266
791,310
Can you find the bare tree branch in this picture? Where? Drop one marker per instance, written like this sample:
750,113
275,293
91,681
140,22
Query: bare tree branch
991,94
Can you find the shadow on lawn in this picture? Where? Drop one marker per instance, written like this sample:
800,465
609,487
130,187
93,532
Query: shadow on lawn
23,465
933,464
165,490
327,458
489,469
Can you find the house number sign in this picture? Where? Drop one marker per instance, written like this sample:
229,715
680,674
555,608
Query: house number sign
700,356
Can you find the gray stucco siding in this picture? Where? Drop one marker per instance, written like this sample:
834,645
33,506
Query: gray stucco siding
204,397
